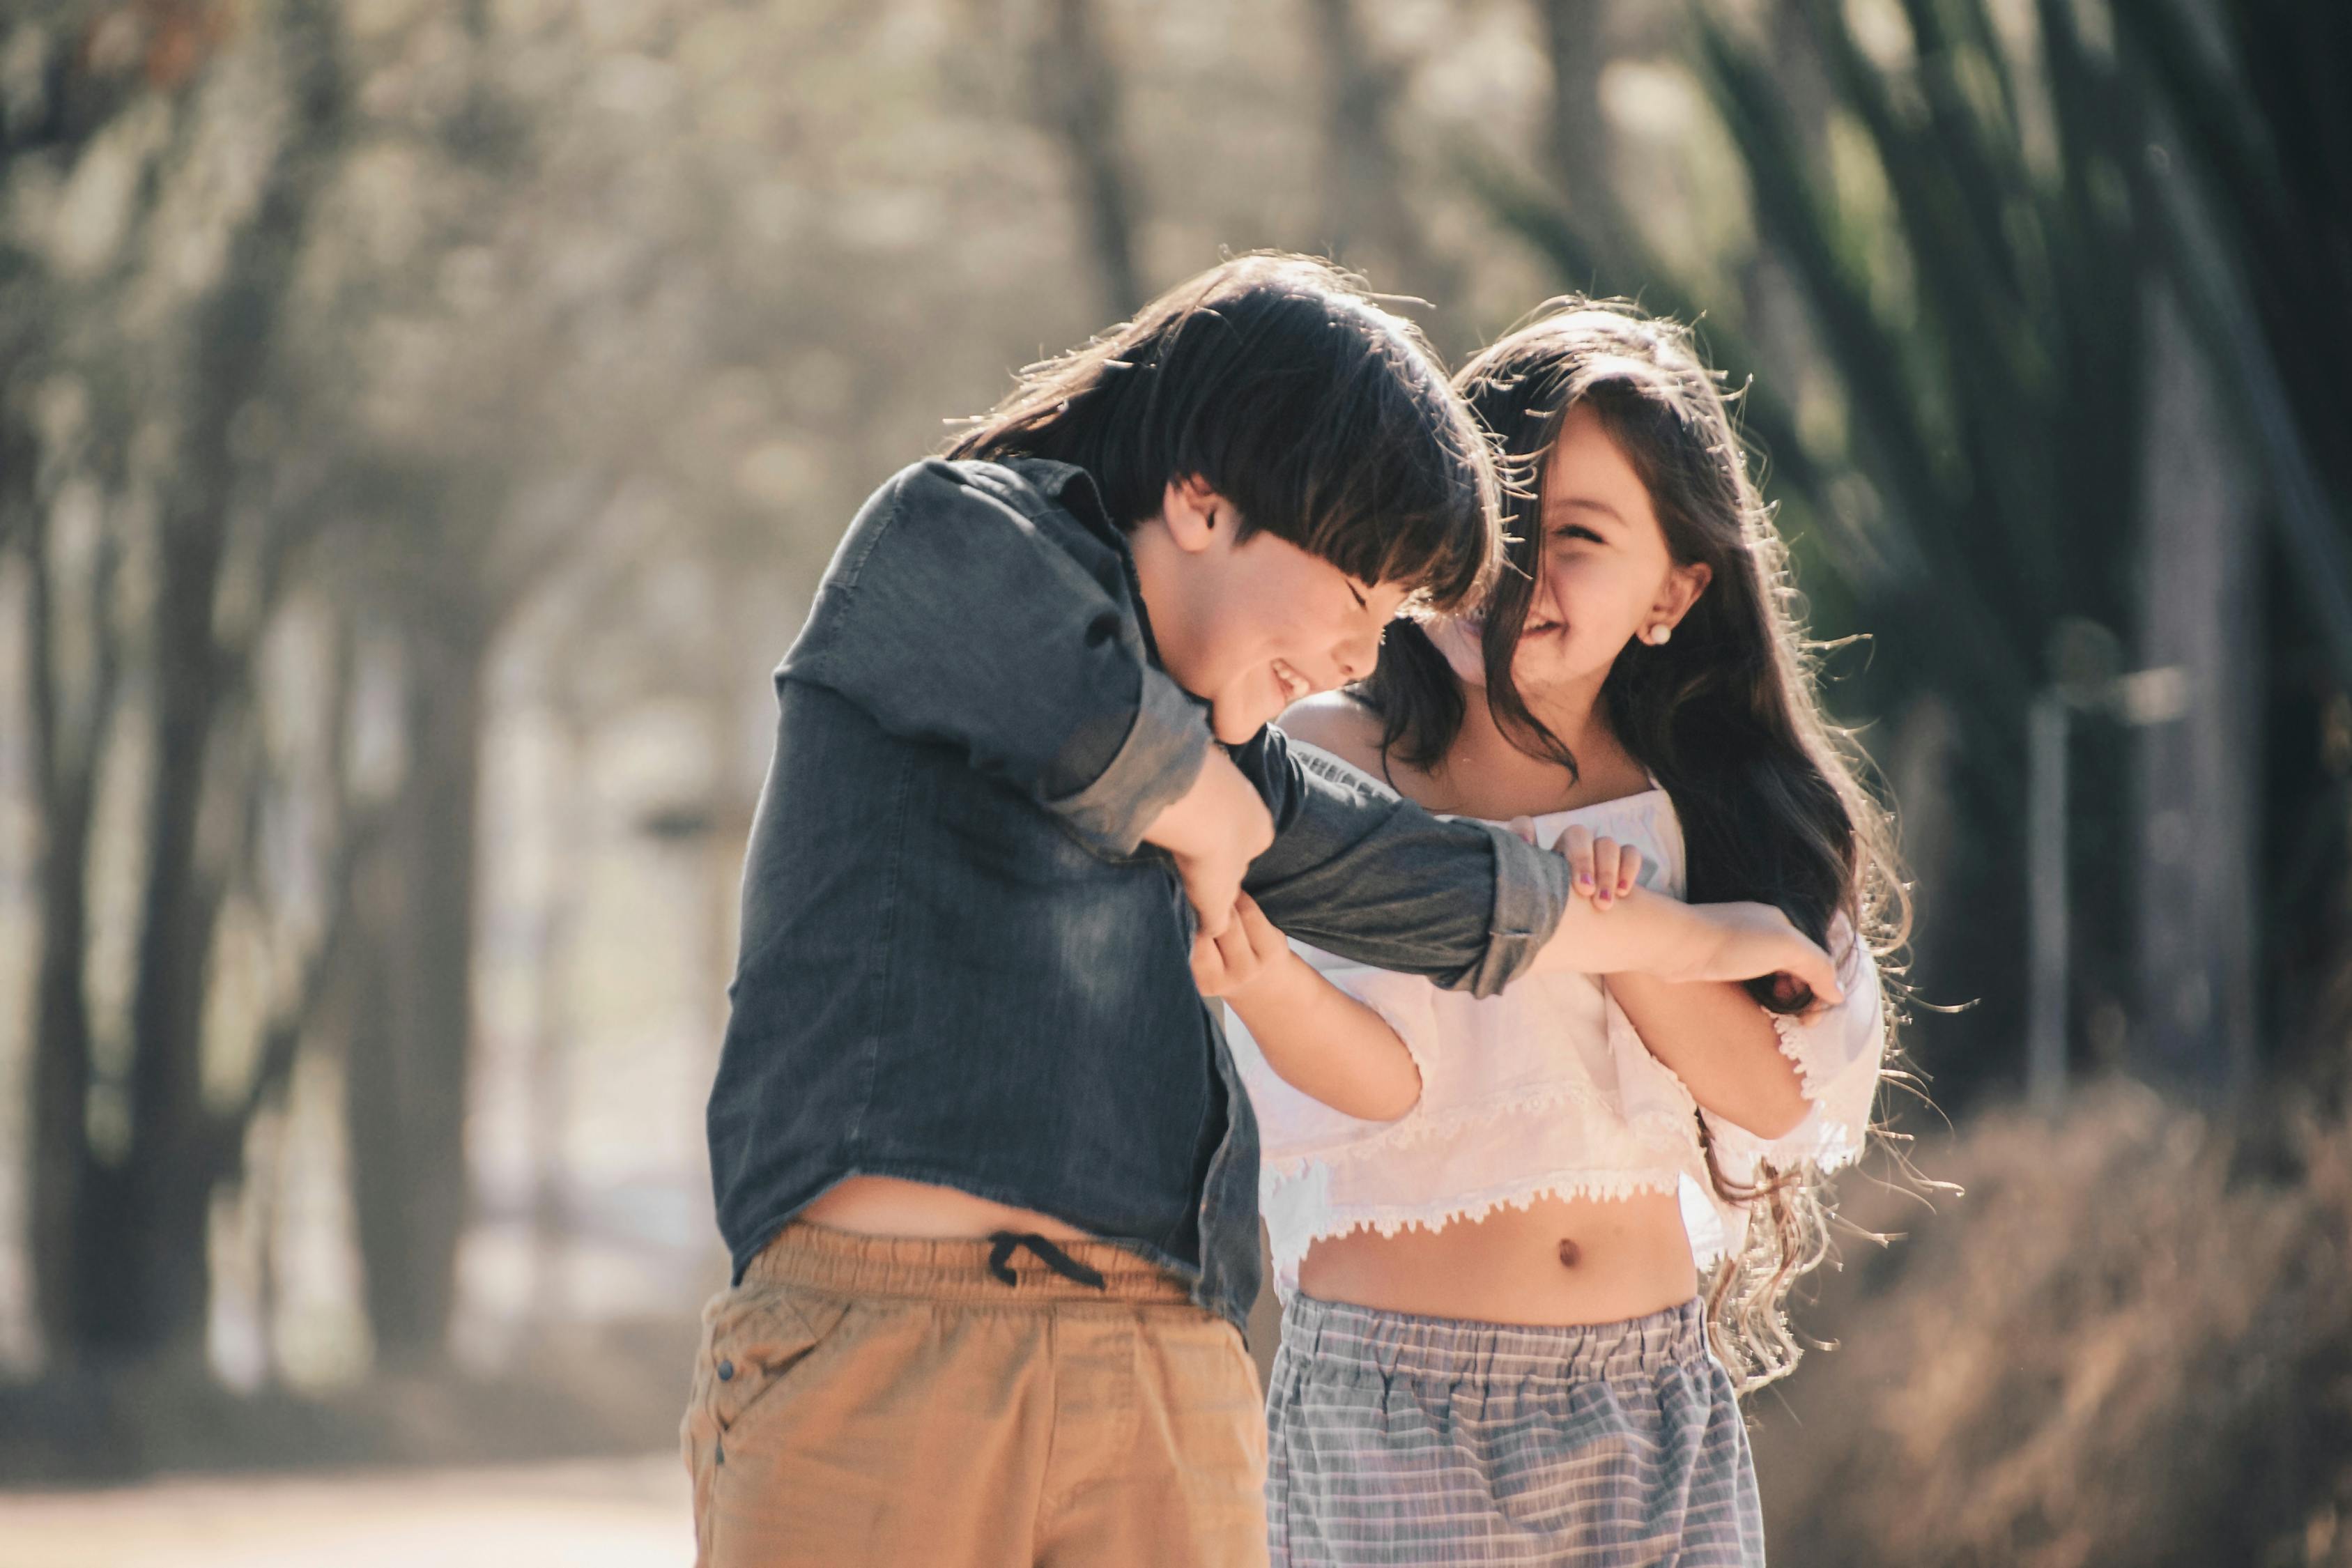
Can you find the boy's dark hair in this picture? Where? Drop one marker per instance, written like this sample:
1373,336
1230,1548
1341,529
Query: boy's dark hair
1278,382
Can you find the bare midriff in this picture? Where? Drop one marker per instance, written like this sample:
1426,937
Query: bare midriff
1558,1261
886,1205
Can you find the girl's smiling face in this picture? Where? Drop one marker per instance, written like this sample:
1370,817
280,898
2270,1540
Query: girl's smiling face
1605,577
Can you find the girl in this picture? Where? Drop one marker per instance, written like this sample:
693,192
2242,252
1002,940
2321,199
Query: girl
1489,1217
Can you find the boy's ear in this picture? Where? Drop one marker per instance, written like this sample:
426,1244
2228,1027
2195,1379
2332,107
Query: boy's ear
1195,515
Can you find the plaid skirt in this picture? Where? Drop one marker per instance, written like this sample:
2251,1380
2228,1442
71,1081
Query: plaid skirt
1399,1439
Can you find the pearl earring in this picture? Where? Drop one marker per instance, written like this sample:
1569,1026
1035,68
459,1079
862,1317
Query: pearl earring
1659,634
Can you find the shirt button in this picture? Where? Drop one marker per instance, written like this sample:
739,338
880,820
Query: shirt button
725,1370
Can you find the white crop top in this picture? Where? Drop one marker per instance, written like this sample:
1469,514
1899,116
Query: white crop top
1546,1090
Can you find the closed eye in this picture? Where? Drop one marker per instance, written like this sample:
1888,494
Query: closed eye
1361,603
1576,530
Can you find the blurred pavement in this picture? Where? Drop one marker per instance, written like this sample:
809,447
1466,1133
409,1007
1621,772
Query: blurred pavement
574,1514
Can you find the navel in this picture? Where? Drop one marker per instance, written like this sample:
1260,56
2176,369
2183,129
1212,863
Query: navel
1571,1255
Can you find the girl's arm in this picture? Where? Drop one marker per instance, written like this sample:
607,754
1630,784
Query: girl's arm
1709,1033
1835,1053
1316,1039
1649,933
1721,1045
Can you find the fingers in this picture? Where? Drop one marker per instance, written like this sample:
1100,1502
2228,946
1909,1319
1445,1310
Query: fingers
1224,963
1604,872
1801,1001
1524,826
1575,846
1233,949
1264,941
1743,941
1211,919
1609,857
1208,966
1212,890
1794,997
1817,972
1616,870
1601,870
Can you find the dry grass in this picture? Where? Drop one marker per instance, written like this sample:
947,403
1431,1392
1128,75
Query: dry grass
2130,1343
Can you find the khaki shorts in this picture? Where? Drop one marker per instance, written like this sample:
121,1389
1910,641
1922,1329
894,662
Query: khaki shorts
863,1399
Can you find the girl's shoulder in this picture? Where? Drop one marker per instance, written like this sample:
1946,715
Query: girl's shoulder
1336,722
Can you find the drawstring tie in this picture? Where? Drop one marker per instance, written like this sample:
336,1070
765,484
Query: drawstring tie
1046,1253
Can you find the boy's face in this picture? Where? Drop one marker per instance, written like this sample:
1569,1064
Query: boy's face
1254,626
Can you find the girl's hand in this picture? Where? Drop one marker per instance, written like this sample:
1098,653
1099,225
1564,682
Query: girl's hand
1601,869
1245,952
1316,1039
1741,941
1794,997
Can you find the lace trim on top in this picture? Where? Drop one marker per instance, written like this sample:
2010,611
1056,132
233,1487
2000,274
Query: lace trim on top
1798,1048
1837,1069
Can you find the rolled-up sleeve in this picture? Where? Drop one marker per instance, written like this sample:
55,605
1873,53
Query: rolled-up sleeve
1158,761
950,615
1358,870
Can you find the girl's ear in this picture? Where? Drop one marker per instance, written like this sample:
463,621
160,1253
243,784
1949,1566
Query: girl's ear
1195,515
1683,585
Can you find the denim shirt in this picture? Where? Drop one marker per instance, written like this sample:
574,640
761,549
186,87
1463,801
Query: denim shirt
961,964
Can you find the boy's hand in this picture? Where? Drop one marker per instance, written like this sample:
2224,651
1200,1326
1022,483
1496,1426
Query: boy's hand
1215,830
1742,941
1601,868
1248,950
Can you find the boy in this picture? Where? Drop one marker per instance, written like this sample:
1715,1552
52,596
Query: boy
979,1153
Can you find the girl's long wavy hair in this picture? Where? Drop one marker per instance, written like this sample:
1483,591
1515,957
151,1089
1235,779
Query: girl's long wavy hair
1726,714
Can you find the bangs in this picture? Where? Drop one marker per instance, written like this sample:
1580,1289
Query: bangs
1281,384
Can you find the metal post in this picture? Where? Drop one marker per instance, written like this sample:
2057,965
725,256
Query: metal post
2045,910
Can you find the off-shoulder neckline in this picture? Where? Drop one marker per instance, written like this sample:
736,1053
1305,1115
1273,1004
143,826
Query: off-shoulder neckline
1622,801
1638,797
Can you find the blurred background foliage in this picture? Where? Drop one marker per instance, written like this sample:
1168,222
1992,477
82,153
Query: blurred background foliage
423,421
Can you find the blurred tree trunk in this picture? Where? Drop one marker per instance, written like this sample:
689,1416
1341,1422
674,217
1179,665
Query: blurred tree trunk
549,1074
155,1263
411,1047
72,654
2199,775
407,1079
148,1248
68,735
1577,143
1076,90
1364,180
373,1149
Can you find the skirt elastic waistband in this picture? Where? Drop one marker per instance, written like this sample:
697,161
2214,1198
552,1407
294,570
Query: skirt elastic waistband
819,1258
1452,1350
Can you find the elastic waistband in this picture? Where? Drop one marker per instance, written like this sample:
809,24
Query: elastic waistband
845,1263
1451,1350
